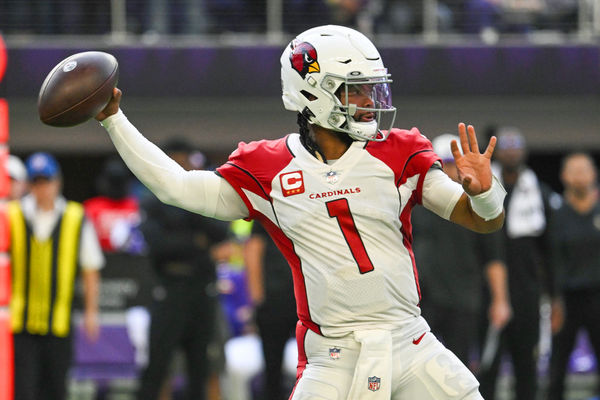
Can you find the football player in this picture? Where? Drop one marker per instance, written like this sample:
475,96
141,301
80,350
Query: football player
337,198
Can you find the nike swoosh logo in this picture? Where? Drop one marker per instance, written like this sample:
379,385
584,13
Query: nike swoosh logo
418,340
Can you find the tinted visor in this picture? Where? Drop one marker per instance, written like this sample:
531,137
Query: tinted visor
379,93
365,103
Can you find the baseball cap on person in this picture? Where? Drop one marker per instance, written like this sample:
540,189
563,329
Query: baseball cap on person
42,165
510,137
441,146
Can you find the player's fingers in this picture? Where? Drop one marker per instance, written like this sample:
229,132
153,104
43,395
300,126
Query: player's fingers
454,149
490,147
472,139
112,107
115,101
462,134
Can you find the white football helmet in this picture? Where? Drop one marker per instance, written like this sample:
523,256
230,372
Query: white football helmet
316,64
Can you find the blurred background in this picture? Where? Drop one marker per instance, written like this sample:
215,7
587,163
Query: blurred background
208,70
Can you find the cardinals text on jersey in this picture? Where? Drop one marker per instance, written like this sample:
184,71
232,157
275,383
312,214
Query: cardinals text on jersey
344,228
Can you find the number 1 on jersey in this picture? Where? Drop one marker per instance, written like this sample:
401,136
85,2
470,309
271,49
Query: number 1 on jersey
340,210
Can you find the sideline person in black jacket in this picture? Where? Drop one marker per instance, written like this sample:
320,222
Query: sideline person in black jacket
575,233
181,247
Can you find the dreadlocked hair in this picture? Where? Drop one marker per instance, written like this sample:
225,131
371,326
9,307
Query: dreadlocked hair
307,141
303,127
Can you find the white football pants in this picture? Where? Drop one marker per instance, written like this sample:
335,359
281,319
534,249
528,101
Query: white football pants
421,369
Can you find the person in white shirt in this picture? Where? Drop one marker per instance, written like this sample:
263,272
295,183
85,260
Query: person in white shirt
336,199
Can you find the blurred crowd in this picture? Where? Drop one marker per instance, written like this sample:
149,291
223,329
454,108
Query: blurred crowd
221,16
219,320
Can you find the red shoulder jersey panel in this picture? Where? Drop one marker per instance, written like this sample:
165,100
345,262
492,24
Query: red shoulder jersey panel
407,153
252,166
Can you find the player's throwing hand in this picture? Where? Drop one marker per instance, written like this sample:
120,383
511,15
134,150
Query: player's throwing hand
112,107
474,171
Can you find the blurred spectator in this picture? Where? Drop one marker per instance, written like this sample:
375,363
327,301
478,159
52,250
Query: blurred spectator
245,361
243,358
508,16
561,15
300,15
453,264
480,16
205,16
237,15
575,232
53,17
18,177
182,247
272,294
255,16
214,16
251,16
88,17
245,364
346,12
29,16
232,285
115,212
50,238
406,16
521,16
184,16
527,208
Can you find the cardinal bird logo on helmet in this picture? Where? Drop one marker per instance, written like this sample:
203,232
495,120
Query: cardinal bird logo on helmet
304,58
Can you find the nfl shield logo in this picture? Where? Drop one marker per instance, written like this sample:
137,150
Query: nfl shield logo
334,353
374,383
332,177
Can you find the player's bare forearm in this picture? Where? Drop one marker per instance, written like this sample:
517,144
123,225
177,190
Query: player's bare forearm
464,215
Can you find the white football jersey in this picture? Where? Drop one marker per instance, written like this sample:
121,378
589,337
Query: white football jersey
343,227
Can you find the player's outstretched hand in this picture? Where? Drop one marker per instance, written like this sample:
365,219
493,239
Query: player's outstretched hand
112,107
474,170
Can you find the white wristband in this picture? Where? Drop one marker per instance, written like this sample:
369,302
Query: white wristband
489,204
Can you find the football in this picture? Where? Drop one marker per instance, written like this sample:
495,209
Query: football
78,88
